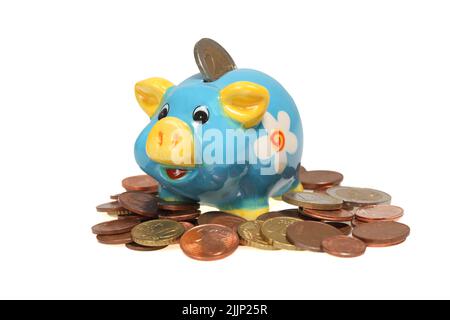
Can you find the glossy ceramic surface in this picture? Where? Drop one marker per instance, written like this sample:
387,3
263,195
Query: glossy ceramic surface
196,159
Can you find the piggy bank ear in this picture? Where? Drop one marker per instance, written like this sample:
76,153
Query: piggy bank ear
149,93
245,102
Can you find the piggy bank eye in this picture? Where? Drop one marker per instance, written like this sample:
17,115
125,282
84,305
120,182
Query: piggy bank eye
200,114
164,111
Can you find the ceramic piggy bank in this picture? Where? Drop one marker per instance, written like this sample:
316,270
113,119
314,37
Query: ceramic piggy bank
226,137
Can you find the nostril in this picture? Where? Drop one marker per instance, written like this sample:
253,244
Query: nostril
176,139
160,137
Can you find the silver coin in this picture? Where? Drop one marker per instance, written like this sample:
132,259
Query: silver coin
212,59
356,197
312,200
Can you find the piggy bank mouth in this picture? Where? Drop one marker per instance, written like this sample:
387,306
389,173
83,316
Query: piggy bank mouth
176,174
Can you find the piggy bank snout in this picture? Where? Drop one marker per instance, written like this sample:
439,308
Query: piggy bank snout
171,142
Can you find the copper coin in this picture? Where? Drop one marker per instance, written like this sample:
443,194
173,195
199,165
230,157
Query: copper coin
308,235
316,179
116,196
305,217
345,228
379,213
330,215
110,207
133,216
187,225
206,217
178,206
381,234
124,213
150,192
293,213
211,216
121,238
356,222
221,218
115,226
182,216
344,247
141,203
209,242
179,212
119,214
140,183
232,222
383,245
137,247
323,189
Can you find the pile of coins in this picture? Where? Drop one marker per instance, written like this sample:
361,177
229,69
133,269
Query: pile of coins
341,221
140,203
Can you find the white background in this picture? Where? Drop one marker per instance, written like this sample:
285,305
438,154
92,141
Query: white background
371,79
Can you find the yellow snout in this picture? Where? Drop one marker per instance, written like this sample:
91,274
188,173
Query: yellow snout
171,142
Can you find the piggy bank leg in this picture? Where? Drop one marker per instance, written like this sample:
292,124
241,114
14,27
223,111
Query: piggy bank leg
297,185
297,188
168,195
249,209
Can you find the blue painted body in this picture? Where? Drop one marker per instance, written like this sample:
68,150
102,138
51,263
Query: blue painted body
225,186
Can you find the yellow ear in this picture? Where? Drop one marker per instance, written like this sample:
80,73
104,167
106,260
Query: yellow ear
245,102
149,93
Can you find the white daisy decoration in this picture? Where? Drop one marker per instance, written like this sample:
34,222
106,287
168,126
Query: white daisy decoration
278,142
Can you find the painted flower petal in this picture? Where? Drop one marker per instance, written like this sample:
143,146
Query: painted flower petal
263,148
280,161
284,121
269,122
291,142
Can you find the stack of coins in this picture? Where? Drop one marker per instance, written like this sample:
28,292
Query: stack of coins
326,207
319,180
116,231
222,218
178,211
341,221
137,204
142,183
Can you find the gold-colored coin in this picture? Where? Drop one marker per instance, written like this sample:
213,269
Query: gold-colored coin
121,213
156,233
250,233
312,200
274,231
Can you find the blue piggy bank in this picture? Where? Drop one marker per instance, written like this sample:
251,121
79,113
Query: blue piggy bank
230,143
